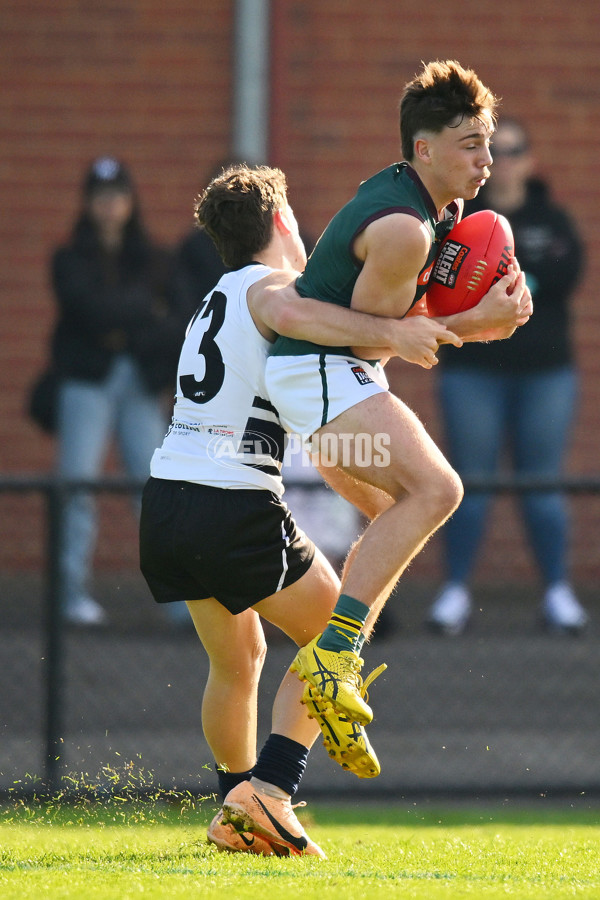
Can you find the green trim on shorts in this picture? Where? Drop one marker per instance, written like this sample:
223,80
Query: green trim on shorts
324,394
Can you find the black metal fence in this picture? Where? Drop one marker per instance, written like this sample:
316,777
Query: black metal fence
503,707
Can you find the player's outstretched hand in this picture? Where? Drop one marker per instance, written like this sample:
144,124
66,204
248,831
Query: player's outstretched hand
417,338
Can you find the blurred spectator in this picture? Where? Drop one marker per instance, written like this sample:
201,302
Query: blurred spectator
199,267
198,264
517,394
115,350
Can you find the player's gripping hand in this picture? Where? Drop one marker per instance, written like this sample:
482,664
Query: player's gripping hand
500,306
506,306
525,310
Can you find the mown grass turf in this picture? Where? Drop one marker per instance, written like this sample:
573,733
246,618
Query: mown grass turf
125,849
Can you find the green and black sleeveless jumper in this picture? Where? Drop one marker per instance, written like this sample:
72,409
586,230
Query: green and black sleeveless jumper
332,270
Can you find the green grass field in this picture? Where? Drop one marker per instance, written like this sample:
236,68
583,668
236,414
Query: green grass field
125,849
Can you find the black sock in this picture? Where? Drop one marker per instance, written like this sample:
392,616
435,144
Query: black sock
282,762
229,780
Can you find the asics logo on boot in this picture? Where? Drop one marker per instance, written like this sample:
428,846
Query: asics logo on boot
353,733
327,676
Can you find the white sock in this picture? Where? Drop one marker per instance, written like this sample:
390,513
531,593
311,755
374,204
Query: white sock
271,790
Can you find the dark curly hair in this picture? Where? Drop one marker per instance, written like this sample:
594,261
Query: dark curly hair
236,210
441,95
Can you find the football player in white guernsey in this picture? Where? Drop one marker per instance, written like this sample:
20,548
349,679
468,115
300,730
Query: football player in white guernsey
214,531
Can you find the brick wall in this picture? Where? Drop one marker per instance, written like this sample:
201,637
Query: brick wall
147,81
151,82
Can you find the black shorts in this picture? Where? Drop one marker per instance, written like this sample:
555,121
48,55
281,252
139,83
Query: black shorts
238,546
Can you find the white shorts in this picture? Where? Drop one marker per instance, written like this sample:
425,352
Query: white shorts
309,391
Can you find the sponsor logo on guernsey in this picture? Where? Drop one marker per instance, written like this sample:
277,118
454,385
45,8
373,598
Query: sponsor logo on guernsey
448,264
219,429
184,428
360,375
425,275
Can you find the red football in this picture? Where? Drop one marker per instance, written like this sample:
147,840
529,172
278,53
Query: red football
472,257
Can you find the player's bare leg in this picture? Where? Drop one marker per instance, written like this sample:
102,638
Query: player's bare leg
424,491
301,611
263,806
423,486
236,649
371,501
236,644
313,598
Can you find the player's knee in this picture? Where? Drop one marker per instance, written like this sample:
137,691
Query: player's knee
455,491
248,661
448,492
259,653
439,492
